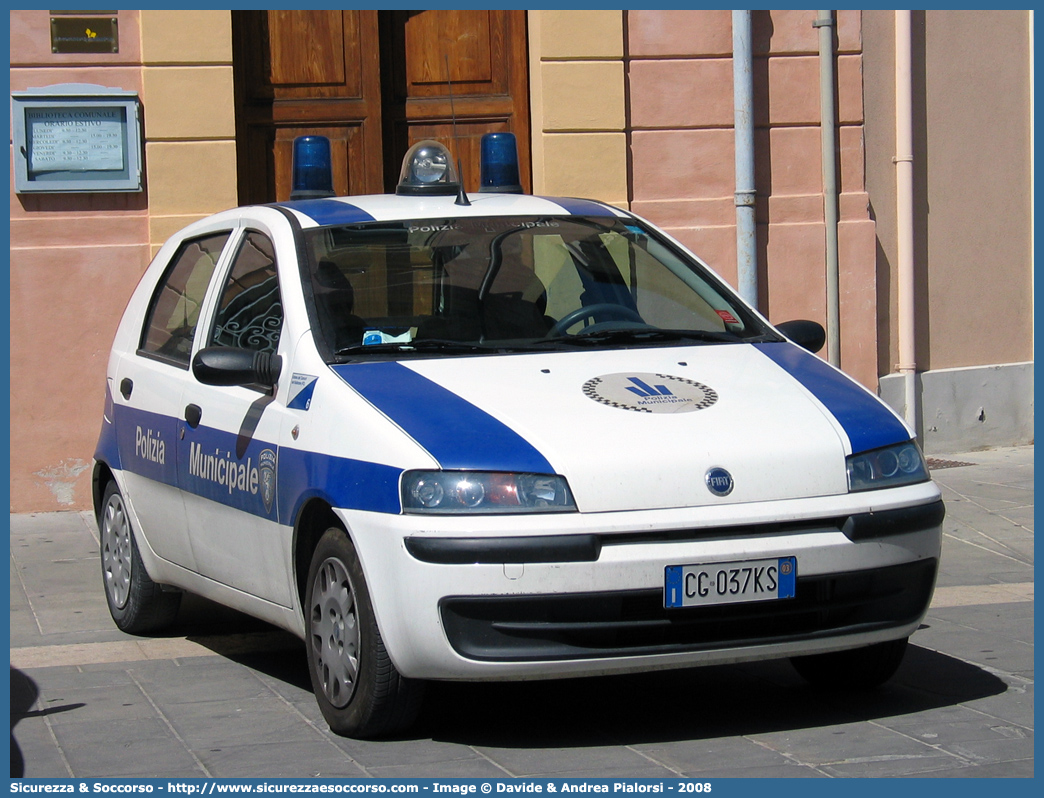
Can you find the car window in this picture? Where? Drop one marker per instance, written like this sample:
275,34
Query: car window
170,324
250,312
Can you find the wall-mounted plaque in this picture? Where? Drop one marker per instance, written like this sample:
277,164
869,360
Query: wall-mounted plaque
84,35
76,137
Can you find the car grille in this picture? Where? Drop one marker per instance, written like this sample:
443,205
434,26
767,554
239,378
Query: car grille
626,623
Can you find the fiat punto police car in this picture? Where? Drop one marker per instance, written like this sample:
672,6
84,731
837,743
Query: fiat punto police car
497,437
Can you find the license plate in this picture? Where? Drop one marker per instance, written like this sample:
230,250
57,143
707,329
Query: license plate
729,582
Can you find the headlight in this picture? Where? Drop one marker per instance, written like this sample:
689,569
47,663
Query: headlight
484,492
902,464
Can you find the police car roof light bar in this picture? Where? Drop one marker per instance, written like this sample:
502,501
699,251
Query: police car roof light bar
499,164
312,168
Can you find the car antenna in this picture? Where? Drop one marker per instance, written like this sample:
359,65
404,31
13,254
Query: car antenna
462,197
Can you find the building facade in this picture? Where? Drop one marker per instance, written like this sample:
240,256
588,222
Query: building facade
632,107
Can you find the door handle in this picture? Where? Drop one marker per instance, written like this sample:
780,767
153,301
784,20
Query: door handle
126,386
193,414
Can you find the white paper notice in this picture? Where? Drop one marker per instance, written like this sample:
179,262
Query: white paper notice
75,139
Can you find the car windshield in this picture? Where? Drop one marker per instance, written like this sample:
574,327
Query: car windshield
477,285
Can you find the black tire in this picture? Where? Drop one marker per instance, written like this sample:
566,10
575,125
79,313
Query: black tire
856,669
136,603
357,687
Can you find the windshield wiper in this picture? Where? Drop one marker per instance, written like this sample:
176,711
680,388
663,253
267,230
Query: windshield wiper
641,335
408,347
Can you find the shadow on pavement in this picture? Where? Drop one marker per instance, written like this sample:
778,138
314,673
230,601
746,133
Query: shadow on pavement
693,704
23,695
696,703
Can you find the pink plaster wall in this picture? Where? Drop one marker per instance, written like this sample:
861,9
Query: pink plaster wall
75,259
31,41
679,68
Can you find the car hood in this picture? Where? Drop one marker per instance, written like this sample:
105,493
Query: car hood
640,428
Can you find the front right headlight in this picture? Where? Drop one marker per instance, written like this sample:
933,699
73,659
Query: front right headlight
484,492
888,467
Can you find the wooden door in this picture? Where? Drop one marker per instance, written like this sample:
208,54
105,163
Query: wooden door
471,66
374,83
301,73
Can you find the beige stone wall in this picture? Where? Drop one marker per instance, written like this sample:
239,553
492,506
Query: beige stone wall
190,123
972,201
577,102
75,258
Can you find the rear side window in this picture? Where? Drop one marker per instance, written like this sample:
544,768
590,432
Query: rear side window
170,324
250,313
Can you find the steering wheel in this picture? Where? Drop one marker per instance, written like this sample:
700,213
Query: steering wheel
589,312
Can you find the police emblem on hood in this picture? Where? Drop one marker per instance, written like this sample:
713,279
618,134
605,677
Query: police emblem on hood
650,393
267,469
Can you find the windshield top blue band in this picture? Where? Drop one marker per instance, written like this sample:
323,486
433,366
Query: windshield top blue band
867,424
455,432
328,211
582,207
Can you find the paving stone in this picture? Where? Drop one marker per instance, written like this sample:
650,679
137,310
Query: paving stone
613,770
231,722
786,771
559,762
34,754
372,754
724,753
820,746
1017,769
289,760
892,766
473,768
140,747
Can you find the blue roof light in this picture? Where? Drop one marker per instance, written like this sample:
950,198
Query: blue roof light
499,164
313,173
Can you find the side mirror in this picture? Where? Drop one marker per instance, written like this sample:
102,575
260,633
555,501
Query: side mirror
226,365
809,334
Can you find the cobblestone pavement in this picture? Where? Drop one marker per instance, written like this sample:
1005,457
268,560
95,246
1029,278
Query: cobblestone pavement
227,696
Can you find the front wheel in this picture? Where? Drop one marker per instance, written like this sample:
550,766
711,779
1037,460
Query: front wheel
136,603
855,669
357,687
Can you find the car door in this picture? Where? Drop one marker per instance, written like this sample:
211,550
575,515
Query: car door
228,436
147,396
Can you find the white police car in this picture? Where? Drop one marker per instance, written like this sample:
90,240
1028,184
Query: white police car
497,437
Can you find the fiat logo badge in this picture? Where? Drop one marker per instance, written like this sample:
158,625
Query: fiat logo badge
719,481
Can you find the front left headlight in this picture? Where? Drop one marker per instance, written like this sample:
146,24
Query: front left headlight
889,467
484,492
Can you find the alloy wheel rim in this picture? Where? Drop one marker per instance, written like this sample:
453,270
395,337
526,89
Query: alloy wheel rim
116,551
334,632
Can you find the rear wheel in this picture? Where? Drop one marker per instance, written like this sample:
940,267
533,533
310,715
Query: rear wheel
136,603
357,687
856,669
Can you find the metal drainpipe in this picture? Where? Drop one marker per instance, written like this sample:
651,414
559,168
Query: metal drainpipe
743,103
828,136
904,186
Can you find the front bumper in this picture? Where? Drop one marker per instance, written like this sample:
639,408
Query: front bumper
463,598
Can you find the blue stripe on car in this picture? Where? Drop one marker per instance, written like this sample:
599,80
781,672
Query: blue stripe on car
582,207
328,211
455,432
300,475
352,484
868,423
